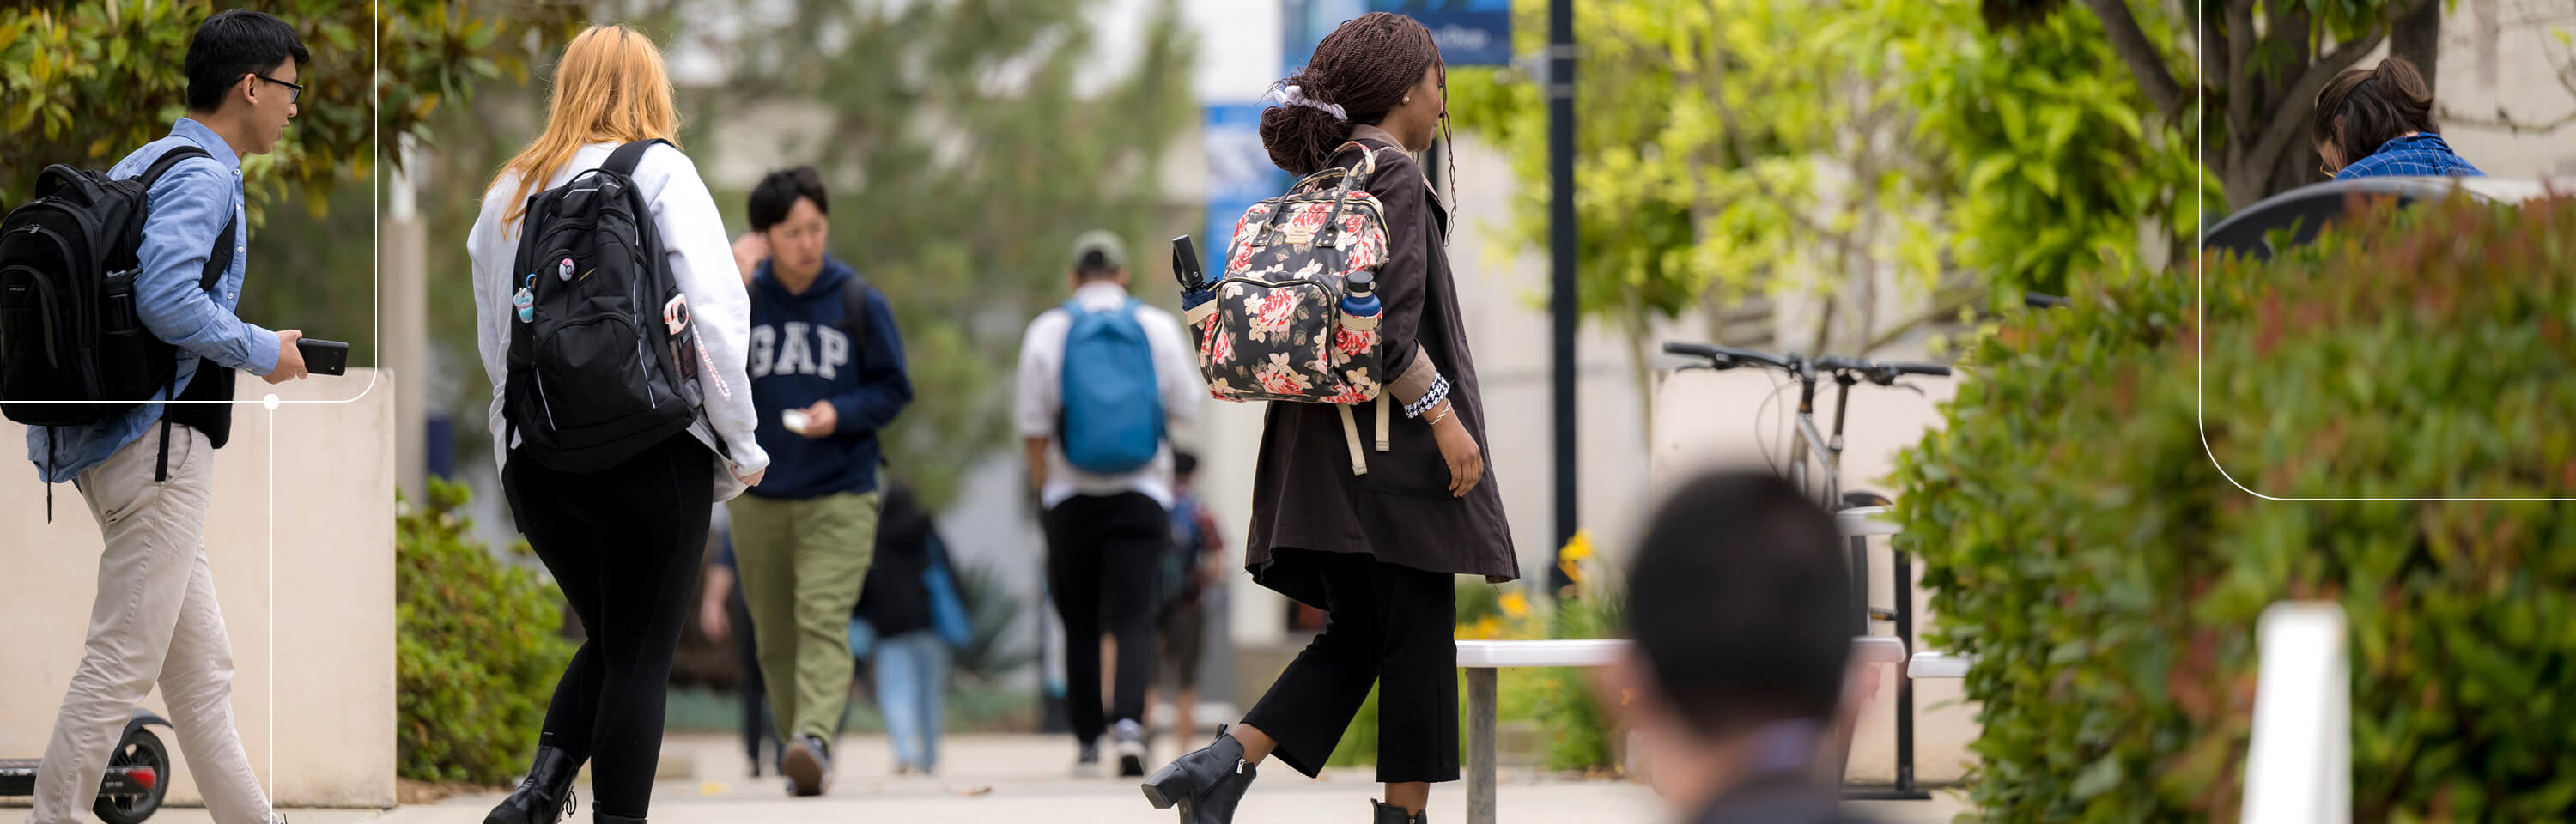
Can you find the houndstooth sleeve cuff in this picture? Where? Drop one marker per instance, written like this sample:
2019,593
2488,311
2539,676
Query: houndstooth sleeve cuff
1417,380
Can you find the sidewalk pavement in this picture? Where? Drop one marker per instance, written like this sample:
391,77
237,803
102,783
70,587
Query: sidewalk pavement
1029,778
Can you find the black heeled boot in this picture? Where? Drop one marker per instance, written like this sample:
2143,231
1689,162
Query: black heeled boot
545,796
1391,814
1206,784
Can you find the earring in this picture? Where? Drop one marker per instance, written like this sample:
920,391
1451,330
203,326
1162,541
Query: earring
1408,98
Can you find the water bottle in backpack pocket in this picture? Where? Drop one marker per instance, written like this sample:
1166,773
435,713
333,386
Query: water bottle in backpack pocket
1112,417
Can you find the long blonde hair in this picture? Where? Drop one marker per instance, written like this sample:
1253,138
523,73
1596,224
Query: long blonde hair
609,87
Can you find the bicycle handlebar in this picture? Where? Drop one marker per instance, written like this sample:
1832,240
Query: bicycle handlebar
1723,357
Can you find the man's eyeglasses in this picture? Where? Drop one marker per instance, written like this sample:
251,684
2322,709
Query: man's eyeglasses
293,93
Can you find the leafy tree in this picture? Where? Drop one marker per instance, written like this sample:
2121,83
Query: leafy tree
2261,67
89,81
2049,158
1725,150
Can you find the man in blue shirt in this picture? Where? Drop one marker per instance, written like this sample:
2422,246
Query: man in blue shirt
827,373
156,620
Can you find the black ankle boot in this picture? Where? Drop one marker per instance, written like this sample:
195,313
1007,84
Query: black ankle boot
1206,784
1391,814
545,797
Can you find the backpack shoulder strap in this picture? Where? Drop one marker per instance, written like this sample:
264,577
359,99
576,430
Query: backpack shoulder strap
624,160
854,309
152,175
222,258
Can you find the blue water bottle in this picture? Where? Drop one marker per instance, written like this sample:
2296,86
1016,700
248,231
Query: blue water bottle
1359,299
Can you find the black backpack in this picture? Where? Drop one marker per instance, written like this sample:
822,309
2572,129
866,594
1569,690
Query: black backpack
595,375
73,347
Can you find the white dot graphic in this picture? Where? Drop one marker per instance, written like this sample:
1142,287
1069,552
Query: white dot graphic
270,401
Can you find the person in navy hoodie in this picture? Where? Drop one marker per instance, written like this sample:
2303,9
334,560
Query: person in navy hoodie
827,373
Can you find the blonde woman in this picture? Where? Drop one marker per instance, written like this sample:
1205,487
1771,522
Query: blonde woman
623,540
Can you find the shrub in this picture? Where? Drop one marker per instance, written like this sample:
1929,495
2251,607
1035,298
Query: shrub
477,651
2080,539
992,611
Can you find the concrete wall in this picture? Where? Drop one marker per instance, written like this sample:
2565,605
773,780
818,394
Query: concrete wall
301,538
1705,419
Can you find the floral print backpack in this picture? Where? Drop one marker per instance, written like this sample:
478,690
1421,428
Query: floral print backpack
1276,329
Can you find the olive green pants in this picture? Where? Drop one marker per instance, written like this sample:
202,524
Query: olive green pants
801,564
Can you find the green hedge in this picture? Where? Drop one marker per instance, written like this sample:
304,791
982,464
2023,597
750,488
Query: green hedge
2079,537
477,649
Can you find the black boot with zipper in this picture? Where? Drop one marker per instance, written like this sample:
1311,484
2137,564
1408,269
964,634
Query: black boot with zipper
1206,784
545,797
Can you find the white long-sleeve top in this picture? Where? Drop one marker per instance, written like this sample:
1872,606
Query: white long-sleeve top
701,258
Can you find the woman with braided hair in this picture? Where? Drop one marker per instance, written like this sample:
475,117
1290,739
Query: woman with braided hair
1378,551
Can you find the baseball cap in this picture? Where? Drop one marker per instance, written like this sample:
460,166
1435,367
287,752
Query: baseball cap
1112,251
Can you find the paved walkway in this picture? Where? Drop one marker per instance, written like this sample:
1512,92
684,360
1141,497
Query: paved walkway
1021,778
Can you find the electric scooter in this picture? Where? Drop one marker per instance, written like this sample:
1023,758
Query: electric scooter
137,774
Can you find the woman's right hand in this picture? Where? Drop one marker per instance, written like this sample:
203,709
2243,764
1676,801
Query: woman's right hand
1458,448
752,479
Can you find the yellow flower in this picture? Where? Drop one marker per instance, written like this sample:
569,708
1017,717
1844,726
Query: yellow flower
1515,604
1578,547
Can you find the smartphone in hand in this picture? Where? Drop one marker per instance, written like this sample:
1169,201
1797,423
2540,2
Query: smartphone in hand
323,357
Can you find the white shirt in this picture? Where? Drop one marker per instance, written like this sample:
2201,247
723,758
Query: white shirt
701,257
1176,373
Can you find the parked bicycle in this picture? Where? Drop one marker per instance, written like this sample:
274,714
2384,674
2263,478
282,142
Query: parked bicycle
1809,443
1856,511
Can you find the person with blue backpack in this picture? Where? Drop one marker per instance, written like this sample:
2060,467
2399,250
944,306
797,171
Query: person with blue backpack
1102,380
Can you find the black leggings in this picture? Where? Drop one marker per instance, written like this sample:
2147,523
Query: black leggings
1389,625
624,544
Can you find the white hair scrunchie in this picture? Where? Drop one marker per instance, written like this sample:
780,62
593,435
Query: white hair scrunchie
1296,96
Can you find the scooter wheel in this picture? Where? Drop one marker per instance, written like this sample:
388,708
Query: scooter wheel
139,749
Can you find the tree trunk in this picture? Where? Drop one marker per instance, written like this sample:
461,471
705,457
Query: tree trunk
2418,38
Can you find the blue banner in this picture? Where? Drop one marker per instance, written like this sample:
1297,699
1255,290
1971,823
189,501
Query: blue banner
1470,32
1239,174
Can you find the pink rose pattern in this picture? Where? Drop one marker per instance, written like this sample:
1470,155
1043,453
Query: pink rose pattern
1276,332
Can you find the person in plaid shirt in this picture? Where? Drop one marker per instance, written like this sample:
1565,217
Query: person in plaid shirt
2378,122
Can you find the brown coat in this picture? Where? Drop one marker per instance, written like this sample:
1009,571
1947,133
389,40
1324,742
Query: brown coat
1305,496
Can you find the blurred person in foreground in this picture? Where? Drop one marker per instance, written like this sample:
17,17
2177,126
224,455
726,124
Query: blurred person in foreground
1740,607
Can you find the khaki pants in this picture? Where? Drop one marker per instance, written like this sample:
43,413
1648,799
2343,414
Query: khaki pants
155,621
801,564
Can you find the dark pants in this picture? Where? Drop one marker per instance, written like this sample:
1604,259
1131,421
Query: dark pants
1388,625
1103,556
757,729
624,545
